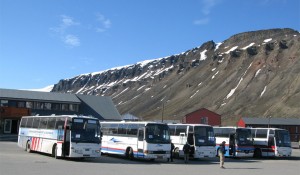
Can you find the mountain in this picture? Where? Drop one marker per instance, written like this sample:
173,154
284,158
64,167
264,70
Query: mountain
251,74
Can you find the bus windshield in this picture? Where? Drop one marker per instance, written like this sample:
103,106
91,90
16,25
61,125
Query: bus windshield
282,138
244,137
157,133
85,131
204,136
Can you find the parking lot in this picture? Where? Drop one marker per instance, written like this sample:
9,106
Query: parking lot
14,160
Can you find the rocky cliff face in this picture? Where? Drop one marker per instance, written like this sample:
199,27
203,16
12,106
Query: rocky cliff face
250,74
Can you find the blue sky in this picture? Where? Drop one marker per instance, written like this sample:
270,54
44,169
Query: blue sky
43,41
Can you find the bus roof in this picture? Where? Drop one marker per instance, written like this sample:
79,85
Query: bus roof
133,122
55,116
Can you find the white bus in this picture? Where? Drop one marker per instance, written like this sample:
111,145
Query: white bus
200,137
271,142
148,140
61,136
239,142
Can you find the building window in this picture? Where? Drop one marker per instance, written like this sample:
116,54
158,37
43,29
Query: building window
55,107
39,105
64,107
12,103
73,107
4,103
29,104
21,104
47,106
204,120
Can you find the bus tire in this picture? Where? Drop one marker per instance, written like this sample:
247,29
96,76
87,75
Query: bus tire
129,153
28,149
257,153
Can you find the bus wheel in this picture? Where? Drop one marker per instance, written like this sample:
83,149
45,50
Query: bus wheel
257,153
129,153
28,149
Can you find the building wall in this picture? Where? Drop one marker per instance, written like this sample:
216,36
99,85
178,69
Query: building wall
203,116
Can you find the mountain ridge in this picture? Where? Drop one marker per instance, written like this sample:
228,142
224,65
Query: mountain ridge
242,76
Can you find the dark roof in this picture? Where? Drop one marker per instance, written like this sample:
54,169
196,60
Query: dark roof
36,95
103,105
271,121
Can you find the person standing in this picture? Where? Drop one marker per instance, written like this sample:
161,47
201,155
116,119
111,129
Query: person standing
222,152
186,150
172,150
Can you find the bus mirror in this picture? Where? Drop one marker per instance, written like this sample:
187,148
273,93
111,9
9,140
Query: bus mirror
68,127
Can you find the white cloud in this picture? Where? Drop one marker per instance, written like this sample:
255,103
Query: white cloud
208,5
201,21
68,21
104,23
65,23
71,40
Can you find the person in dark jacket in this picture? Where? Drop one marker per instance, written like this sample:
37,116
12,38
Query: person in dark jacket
186,150
171,152
222,152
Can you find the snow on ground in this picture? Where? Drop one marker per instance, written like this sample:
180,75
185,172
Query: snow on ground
218,45
267,40
244,48
45,89
214,75
202,55
194,94
262,93
232,49
257,72
233,90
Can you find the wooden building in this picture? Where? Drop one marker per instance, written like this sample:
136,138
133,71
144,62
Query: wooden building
202,116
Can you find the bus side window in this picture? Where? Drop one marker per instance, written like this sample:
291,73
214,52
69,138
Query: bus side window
36,122
23,122
59,122
29,123
51,123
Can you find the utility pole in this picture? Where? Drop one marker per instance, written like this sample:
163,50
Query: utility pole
162,112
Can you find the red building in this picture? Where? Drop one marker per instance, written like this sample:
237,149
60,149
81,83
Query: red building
202,116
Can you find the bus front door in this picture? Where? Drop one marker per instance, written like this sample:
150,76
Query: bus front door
232,145
140,142
60,141
271,146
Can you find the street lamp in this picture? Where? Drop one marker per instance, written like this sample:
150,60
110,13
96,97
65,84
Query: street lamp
162,112
269,118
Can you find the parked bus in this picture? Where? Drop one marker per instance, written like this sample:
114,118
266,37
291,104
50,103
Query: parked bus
61,136
271,142
148,140
200,137
239,142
